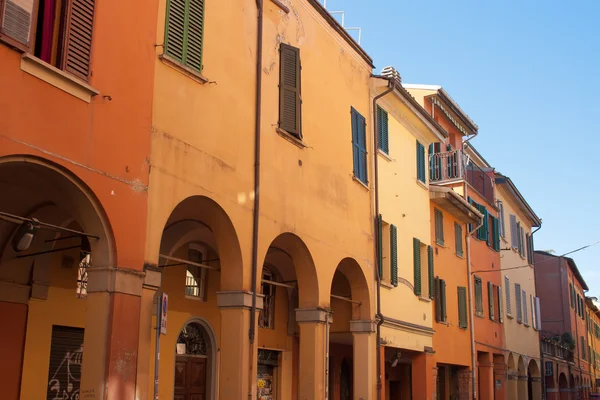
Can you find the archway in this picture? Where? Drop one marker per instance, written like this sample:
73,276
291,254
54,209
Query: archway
513,377
563,386
196,361
522,379
52,230
534,381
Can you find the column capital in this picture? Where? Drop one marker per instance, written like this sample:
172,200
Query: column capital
238,299
314,315
115,280
152,277
365,326
14,292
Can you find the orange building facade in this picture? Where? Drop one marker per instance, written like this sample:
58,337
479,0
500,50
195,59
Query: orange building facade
73,178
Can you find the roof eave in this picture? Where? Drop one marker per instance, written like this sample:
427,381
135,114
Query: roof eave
505,180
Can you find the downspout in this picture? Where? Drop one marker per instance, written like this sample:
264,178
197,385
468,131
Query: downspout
377,238
257,123
542,366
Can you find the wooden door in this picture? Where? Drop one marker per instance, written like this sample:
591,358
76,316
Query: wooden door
190,378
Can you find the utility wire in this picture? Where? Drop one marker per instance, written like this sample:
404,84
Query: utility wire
536,263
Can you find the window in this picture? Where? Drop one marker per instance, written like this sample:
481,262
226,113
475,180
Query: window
417,265
478,296
394,255
184,32
421,251
499,299
290,100
440,300
583,346
507,292
382,130
572,295
525,313
359,146
494,241
514,238
518,304
421,162
482,231
195,278
462,307
383,249
63,31
502,229
430,271
439,227
491,301
267,314
534,312
529,241
458,239
521,240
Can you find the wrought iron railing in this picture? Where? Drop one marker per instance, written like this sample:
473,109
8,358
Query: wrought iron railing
556,349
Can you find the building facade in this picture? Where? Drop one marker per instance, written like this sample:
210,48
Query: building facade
593,334
73,177
522,306
561,287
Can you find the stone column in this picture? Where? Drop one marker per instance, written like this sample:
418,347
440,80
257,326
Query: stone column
424,372
363,350
237,359
512,386
522,387
536,388
151,283
14,300
111,333
311,385
485,377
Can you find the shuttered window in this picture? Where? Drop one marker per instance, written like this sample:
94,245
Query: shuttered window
495,234
514,234
502,228
583,346
525,313
478,296
458,239
439,227
491,301
380,245
507,293
500,313
66,356
572,295
290,99
185,32
534,321
394,254
421,169
529,240
417,265
382,130
518,303
359,146
440,300
63,36
462,307
430,270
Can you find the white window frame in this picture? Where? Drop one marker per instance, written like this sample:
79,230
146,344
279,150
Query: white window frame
198,289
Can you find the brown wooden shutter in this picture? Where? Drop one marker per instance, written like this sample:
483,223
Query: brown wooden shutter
78,38
289,90
66,356
16,17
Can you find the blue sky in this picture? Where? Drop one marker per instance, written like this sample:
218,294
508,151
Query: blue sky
527,73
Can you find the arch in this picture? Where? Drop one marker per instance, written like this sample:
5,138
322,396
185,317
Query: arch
293,260
212,352
199,218
511,363
521,367
533,370
358,288
42,182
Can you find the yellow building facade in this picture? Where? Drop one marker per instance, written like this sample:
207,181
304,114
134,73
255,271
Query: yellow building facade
261,176
593,336
522,313
406,288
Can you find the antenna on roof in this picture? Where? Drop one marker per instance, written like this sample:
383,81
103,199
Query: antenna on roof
342,22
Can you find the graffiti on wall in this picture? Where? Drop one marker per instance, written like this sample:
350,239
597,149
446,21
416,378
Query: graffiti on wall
64,382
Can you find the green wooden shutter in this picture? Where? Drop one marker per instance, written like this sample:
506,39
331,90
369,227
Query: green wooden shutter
417,265
289,91
500,311
518,297
444,316
496,230
394,254
380,246
458,239
420,162
491,300
438,302
478,296
439,227
185,32
382,130
462,307
431,271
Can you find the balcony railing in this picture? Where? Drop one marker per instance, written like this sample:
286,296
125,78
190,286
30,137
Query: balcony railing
451,165
556,349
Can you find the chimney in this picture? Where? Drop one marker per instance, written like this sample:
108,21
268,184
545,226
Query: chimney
391,73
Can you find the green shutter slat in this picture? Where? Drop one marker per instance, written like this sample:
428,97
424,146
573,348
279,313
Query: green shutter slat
185,31
431,271
458,239
394,254
438,302
431,162
359,146
380,245
478,296
417,265
382,130
500,310
444,315
420,162
491,300
462,307
496,233
439,227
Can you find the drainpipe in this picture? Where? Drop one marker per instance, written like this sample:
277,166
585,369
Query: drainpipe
257,122
377,238
542,366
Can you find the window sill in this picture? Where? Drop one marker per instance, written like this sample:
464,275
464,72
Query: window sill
424,299
423,185
190,73
291,138
479,314
461,256
443,323
194,298
387,285
361,183
440,244
509,316
384,155
57,78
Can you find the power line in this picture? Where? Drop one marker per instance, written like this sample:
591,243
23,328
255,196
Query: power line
536,263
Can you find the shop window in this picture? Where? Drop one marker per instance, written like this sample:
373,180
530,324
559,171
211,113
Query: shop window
268,363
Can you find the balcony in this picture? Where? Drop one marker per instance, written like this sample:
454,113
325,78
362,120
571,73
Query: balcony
553,346
455,165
